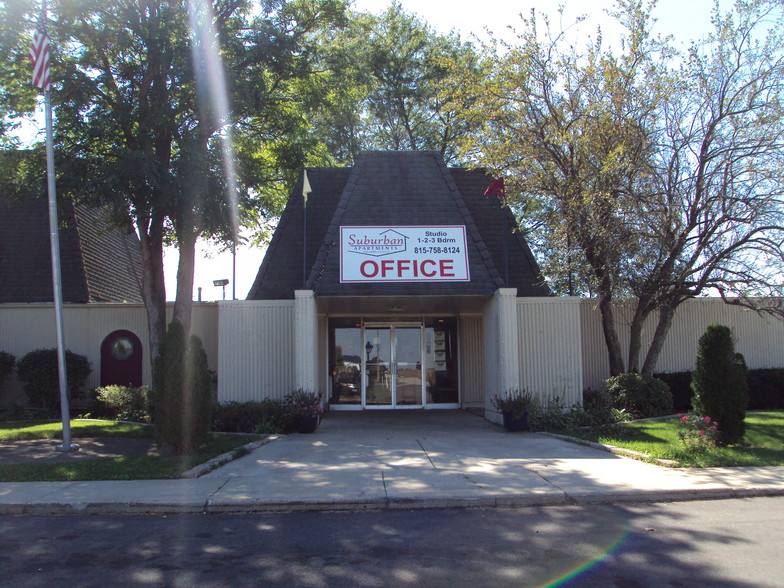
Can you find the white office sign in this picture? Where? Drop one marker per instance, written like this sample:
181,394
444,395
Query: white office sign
403,254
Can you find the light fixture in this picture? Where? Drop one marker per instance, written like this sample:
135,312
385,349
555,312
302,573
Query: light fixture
221,283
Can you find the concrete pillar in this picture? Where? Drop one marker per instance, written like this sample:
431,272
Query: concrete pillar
502,348
305,341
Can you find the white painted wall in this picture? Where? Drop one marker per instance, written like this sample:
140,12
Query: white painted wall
550,340
760,338
26,327
257,358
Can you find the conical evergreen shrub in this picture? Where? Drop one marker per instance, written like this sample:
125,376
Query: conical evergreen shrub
182,395
719,385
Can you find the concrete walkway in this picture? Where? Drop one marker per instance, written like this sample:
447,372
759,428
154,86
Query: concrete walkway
400,460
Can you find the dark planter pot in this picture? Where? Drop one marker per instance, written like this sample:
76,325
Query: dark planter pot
306,424
515,425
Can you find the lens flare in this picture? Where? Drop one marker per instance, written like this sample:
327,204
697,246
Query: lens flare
211,83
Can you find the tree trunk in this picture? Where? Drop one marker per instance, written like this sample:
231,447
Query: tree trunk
611,336
153,288
666,312
183,305
635,335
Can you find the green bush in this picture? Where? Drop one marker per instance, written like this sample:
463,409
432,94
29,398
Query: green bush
640,395
680,386
7,363
720,384
40,378
265,416
182,396
124,403
13,412
766,389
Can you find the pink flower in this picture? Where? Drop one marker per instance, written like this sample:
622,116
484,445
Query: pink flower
684,418
706,419
701,433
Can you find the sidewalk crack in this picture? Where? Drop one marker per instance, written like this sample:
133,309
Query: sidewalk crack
210,497
426,454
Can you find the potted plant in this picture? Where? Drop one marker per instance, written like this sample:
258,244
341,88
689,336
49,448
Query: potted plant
514,406
305,409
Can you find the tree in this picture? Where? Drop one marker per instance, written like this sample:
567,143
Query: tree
658,179
396,84
139,128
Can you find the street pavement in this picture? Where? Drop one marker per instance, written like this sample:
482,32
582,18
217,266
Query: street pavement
399,460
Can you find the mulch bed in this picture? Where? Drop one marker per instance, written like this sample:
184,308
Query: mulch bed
39,450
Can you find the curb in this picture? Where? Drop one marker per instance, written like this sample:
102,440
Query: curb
498,501
224,458
620,451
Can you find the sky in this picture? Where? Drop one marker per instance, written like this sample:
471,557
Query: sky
683,19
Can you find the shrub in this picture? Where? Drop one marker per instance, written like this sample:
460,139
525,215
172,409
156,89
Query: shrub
549,415
513,402
13,412
720,383
640,395
182,396
766,389
124,403
697,433
39,374
265,416
680,386
7,363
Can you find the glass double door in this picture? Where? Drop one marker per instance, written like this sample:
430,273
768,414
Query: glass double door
392,366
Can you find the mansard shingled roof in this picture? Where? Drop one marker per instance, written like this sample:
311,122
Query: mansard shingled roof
394,189
99,263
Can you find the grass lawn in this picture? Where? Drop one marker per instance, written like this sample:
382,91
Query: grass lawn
152,467
763,444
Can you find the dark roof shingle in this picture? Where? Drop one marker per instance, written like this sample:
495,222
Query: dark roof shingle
394,189
98,263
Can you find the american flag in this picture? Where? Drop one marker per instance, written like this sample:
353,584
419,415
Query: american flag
39,55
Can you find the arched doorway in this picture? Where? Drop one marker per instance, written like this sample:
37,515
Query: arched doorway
121,359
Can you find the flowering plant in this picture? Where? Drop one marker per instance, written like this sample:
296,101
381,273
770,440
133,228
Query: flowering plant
304,403
697,433
514,402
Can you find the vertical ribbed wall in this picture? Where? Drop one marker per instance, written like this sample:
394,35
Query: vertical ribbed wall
26,327
257,343
760,338
550,359
472,391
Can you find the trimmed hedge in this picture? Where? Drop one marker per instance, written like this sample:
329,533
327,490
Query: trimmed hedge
264,416
766,389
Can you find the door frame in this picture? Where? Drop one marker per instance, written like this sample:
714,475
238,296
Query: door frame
393,326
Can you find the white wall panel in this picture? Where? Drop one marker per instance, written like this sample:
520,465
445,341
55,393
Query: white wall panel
25,327
760,338
550,358
256,339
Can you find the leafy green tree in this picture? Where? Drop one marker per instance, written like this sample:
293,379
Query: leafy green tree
144,115
719,385
650,175
396,84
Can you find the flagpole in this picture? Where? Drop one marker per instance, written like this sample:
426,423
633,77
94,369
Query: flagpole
57,287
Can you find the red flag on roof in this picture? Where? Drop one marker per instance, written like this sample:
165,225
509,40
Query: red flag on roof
39,55
497,188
